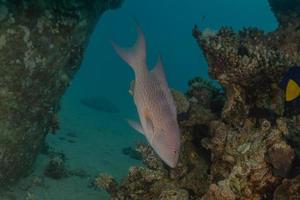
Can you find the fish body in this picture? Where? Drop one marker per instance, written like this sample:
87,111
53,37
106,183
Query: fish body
291,84
154,102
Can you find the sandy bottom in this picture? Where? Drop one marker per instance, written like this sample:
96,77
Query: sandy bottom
92,142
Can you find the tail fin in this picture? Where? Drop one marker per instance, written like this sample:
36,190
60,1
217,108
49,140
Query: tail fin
136,55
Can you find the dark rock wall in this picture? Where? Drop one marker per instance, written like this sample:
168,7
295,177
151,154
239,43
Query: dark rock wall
287,12
41,47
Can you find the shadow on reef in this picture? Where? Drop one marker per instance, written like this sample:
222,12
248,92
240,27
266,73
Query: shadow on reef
240,142
41,47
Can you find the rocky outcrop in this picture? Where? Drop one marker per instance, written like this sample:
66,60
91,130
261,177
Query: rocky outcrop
287,12
41,47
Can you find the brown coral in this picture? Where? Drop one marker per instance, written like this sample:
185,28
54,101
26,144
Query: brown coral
288,190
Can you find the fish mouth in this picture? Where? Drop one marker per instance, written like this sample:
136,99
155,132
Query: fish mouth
171,163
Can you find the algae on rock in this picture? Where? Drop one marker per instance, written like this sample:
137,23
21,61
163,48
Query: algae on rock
41,47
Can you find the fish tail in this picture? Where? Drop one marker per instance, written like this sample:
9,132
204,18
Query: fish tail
136,55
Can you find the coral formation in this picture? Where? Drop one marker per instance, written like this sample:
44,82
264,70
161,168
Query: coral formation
107,182
288,190
240,141
41,47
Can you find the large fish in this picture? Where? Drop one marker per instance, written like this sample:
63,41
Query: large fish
154,102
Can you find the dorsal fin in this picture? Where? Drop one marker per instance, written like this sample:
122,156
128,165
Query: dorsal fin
158,73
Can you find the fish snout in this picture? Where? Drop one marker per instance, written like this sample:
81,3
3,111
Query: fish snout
172,162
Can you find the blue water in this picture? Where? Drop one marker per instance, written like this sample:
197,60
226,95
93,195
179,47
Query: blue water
167,25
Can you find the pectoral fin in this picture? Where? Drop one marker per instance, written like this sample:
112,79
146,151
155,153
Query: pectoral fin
135,125
292,90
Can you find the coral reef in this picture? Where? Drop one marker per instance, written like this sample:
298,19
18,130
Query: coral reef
239,141
41,47
106,182
248,161
288,190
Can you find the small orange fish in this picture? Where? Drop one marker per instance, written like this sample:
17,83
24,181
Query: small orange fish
154,102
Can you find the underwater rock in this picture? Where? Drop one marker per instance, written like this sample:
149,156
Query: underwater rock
288,190
249,153
107,182
56,168
249,65
182,104
38,181
219,193
240,158
100,103
203,91
293,134
287,12
281,157
174,194
41,47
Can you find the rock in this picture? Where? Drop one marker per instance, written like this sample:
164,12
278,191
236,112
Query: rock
56,168
219,193
288,190
41,48
281,157
182,104
175,194
38,181
106,182
287,12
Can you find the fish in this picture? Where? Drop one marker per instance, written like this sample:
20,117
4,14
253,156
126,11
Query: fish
154,102
100,103
290,83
